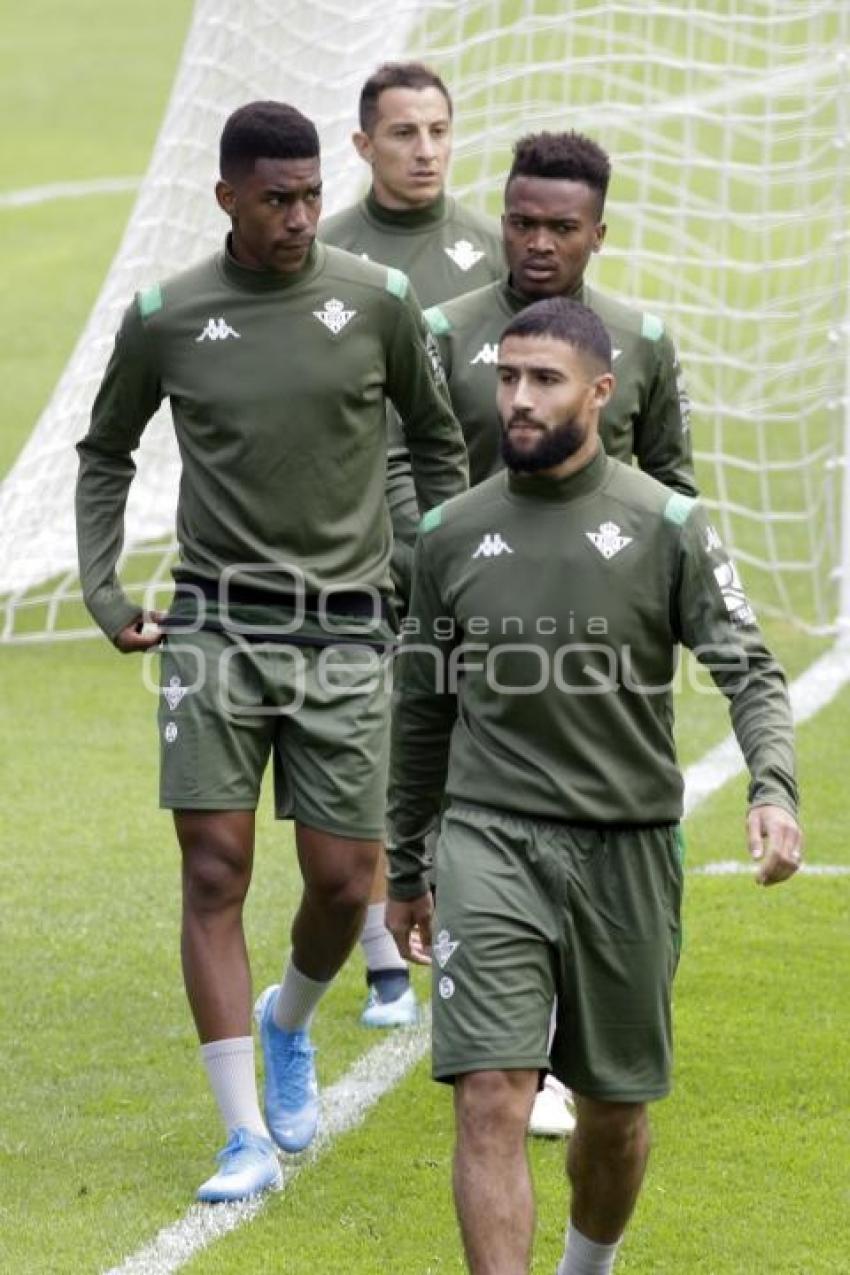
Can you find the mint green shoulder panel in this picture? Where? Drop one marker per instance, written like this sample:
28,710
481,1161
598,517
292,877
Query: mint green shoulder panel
150,301
678,508
437,321
431,520
397,282
651,327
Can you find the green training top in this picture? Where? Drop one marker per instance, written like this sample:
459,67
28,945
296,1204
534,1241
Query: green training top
444,249
647,417
535,673
277,386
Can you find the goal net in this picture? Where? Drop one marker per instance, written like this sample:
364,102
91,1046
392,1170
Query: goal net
728,124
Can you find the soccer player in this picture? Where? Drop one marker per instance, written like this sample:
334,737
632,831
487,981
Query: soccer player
552,225
407,220
547,608
277,354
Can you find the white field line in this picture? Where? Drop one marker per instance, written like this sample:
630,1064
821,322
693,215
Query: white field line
343,1106
811,692
67,190
739,868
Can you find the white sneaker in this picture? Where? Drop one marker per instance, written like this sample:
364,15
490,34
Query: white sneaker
402,1012
552,1115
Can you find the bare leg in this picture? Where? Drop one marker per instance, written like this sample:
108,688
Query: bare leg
218,852
492,1182
338,873
606,1162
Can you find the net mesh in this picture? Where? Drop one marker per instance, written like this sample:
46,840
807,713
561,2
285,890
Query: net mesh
727,125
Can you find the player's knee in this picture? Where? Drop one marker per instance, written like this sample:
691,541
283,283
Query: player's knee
215,877
492,1107
618,1130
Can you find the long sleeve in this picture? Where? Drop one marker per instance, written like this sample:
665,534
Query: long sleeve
416,384
662,440
128,397
716,622
423,716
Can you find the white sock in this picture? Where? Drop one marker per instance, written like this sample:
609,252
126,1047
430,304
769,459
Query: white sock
297,999
379,947
229,1066
584,1257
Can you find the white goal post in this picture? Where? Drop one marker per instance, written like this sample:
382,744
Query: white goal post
728,124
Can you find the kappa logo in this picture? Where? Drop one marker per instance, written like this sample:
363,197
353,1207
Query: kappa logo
712,540
434,355
492,546
334,316
464,254
489,353
218,330
173,692
740,611
444,948
608,540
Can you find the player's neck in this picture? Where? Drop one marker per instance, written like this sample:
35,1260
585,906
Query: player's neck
408,216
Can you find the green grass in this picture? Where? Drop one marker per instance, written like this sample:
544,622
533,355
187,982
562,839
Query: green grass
106,1125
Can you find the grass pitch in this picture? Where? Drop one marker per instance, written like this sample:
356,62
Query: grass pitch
106,1126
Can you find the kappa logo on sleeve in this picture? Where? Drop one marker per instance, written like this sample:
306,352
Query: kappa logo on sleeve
334,316
732,590
464,254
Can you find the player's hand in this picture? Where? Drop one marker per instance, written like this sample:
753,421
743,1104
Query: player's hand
142,634
775,841
409,922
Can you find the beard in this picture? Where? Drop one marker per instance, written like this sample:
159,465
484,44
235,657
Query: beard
553,447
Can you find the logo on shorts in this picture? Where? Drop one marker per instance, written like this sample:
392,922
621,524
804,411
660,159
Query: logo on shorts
170,732
446,987
444,948
173,692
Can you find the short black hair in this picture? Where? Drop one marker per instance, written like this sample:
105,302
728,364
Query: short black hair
567,321
265,130
568,156
397,75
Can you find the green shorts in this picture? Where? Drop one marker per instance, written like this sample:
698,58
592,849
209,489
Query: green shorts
529,913
226,705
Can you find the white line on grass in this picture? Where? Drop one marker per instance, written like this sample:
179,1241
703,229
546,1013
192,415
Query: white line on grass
344,1105
738,868
811,692
67,190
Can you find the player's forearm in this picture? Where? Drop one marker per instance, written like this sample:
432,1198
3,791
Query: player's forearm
421,734
764,727
101,497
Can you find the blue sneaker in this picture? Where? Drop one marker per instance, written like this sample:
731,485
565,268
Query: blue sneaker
292,1094
401,1012
248,1165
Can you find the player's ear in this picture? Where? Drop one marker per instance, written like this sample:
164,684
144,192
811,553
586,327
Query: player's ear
599,238
362,143
603,388
225,197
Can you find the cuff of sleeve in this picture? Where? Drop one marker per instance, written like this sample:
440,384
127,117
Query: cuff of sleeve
407,874
114,614
774,799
